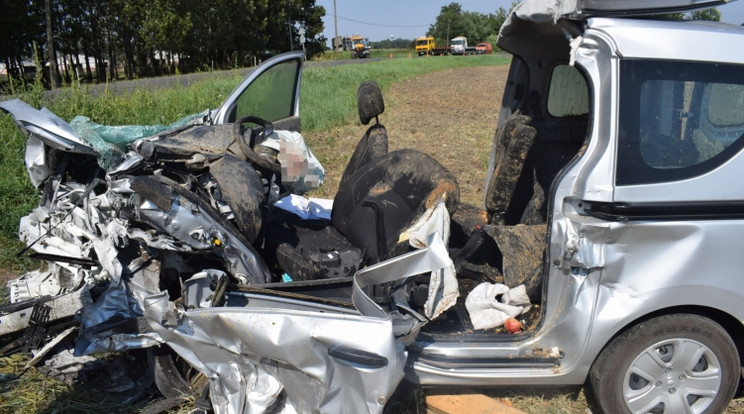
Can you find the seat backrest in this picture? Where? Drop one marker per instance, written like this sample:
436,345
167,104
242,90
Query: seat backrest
369,102
386,196
512,143
374,142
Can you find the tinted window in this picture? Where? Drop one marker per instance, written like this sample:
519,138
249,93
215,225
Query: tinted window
677,119
568,94
271,95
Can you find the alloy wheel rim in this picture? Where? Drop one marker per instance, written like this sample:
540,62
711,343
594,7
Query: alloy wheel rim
672,376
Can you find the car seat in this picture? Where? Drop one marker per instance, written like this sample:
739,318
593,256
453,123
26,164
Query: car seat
374,142
380,195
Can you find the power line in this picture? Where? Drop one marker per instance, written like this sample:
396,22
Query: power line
379,25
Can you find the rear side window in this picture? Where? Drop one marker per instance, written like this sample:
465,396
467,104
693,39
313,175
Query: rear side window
568,94
677,119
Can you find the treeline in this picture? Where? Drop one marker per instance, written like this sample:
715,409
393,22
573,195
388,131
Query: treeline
478,27
394,44
138,38
453,21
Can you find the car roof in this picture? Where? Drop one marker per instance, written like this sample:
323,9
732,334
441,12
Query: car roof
673,39
535,29
555,9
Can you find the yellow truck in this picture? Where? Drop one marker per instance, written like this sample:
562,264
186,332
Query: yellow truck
426,45
360,47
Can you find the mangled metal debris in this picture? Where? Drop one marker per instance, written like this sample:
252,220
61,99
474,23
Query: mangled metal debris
265,353
195,241
174,245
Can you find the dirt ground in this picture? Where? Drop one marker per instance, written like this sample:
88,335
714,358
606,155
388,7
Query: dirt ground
5,276
450,115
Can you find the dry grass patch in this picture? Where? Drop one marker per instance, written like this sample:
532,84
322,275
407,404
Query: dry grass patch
450,115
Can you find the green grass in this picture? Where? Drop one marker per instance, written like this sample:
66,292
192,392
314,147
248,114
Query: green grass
329,93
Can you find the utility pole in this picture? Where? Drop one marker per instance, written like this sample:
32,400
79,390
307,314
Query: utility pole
335,21
53,76
448,38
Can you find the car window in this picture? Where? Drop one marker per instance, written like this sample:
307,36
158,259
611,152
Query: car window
678,119
568,94
271,96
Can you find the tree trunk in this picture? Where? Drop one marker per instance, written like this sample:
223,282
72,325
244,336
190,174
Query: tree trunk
112,59
100,68
53,73
88,72
9,73
21,68
66,66
76,67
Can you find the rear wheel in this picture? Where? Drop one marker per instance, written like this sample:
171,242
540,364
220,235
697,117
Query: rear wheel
671,364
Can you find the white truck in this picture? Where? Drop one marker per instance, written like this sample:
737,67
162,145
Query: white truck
459,45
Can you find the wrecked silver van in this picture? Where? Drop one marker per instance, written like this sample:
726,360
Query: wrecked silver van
608,203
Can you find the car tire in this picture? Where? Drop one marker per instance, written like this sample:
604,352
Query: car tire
668,364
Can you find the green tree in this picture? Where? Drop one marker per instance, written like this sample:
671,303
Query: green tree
449,23
711,14
476,27
21,24
454,21
148,37
496,20
393,44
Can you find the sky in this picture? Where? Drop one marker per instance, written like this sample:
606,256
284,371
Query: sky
409,19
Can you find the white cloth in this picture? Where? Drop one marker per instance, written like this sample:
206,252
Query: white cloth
485,309
312,208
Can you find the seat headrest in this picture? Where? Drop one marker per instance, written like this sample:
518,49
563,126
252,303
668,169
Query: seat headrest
369,101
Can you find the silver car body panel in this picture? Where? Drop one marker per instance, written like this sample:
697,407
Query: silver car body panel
542,11
43,123
257,349
604,275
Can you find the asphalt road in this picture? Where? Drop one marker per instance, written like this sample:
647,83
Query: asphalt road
128,86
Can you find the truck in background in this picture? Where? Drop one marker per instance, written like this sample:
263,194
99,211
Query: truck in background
426,45
359,47
459,46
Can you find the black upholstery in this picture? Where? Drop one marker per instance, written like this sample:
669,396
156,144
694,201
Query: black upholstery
374,142
369,101
380,195
513,142
386,196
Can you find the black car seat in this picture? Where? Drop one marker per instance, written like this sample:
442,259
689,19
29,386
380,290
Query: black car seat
380,195
512,143
494,247
374,142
